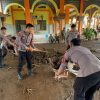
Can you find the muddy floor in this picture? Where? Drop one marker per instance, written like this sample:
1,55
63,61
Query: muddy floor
41,85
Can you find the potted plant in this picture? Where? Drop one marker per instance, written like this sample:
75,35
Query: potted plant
89,33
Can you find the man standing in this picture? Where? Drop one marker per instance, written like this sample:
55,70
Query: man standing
24,41
56,38
73,33
63,34
4,40
51,39
88,77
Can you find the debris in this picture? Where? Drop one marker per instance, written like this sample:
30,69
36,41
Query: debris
9,68
27,90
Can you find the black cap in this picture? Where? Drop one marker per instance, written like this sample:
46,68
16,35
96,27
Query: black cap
3,28
73,25
29,25
76,41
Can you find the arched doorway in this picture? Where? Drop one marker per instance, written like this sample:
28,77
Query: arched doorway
49,1
71,15
42,16
15,22
96,20
92,11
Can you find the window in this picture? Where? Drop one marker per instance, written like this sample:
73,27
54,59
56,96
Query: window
0,7
41,24
20,25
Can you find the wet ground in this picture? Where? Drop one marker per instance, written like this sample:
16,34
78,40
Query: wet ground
40,86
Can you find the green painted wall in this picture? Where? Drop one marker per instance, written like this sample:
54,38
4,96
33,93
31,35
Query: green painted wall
18,15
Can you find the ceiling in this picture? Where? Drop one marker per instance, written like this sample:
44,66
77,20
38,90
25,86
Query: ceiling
48,3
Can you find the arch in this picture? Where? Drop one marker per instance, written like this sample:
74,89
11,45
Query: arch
86,14
12,4
55,5
71,5
36,1
97,11
92,5
44,5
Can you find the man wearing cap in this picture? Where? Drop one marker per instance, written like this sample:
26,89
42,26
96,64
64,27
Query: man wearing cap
4,40
88,77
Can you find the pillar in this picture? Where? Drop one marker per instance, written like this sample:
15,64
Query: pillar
67,15
90,16
55,27
97,22
94,22
13,21
27,11
2,21
81,14
61,6
50,17
90,12
50,22
71,20
60,25
61,11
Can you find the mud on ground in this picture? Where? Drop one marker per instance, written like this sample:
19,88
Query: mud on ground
40,86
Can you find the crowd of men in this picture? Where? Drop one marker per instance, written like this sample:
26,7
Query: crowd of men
54,39
64,36
22,45
88,78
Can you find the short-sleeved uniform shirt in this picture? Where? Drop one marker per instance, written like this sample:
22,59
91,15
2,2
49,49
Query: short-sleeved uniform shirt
83,57
23,40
